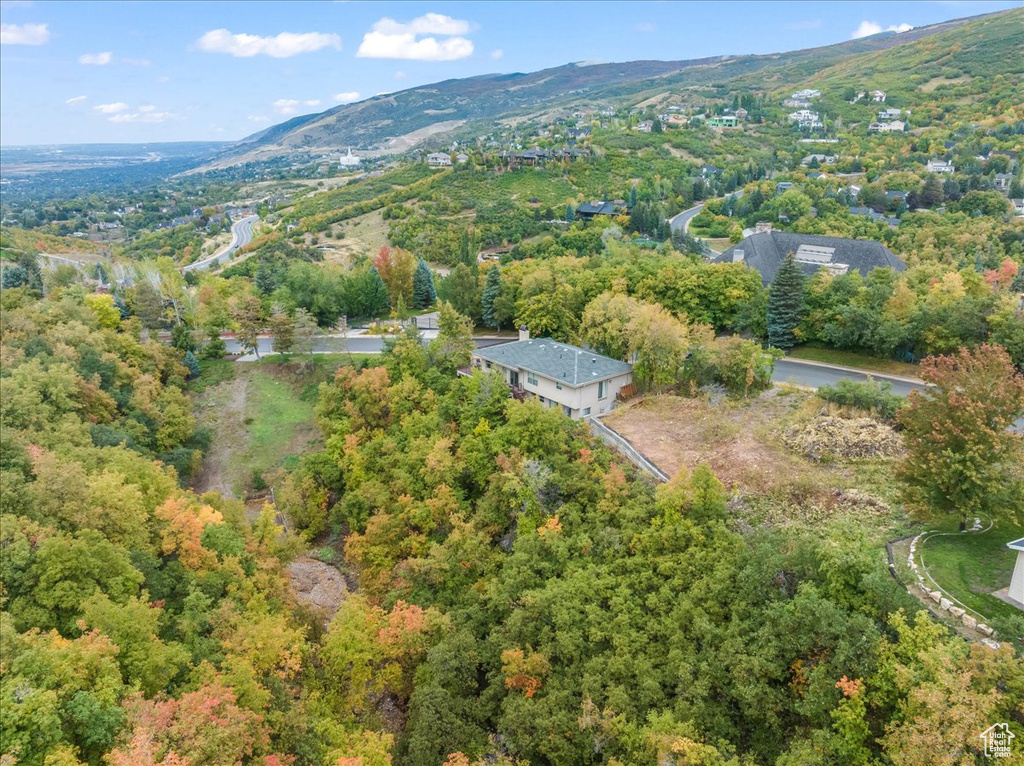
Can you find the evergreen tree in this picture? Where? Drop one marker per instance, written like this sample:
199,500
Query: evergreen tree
13,276
570,213
931,193
632,197
423,293
119,304
192,363
492,289
785,304
378,300
181,337
465,255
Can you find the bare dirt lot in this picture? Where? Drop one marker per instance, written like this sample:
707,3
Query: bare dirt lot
741,441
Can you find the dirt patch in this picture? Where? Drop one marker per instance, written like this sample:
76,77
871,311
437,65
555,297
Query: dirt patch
222,409
677,432
938,82
317,585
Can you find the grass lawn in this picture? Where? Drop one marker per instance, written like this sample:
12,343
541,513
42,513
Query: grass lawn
211,373
278,423
855,360
261,415
970,566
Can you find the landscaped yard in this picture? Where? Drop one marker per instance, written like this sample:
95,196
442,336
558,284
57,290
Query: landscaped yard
972,565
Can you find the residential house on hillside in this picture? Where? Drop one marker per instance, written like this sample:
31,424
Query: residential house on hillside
878,96
1018,206
579,381
896,126
645,126
885,115
741,113
723,121
766,250
439,159
462,158
796,103
874,215
823,159
597,207
783,186
1002,181
806,94
940,166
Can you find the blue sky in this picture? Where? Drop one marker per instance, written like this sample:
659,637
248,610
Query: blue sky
78,72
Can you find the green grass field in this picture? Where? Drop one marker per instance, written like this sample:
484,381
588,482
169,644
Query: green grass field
855,360
970,566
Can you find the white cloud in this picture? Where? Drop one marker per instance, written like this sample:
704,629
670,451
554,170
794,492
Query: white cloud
144,115
804,24
286,105
118,106
497,53
400,75
24,34
312,102
147,108
868,28
428,24
390,39
76,100
280,46
258,118
96,59
644,26
136,62
346,96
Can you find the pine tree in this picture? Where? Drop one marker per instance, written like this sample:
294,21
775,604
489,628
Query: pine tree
423,293
785,304
570,213
632,197
492,289
378,300
193,364
465,256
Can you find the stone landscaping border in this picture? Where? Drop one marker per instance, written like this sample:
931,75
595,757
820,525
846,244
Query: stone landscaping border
946,601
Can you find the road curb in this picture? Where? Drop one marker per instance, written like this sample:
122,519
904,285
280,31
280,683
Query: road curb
872,373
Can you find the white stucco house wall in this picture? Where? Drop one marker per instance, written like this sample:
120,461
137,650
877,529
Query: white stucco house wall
1016,590
582,383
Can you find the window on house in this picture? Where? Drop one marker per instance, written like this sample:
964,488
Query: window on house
602,389
558,386
487,365
586,411
531,378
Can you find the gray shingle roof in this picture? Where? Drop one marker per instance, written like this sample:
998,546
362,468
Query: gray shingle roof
766,251
569,365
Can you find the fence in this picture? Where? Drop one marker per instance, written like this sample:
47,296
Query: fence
620,443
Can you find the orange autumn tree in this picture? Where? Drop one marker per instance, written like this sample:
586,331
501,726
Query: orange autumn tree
524,671
396,268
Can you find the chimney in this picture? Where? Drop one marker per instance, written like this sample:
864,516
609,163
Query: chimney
762,227
524,334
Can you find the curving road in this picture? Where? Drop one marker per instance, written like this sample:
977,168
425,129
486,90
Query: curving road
817,374
241,235
682,220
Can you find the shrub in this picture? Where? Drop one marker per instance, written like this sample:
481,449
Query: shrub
873,395
215,349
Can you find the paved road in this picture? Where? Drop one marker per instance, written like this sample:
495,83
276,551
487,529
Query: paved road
335,344
682,220
241,235
815,374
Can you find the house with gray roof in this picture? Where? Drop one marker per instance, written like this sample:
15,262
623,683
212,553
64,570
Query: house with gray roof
579,381
765,251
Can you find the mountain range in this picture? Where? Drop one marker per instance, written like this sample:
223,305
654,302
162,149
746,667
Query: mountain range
427,115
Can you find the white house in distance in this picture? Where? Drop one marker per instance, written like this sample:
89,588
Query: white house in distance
439,159
349,160
940,166
581,382
1016,589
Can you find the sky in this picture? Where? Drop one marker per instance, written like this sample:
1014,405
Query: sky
128,72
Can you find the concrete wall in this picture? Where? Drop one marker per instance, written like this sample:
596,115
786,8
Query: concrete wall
577,399
1016,591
